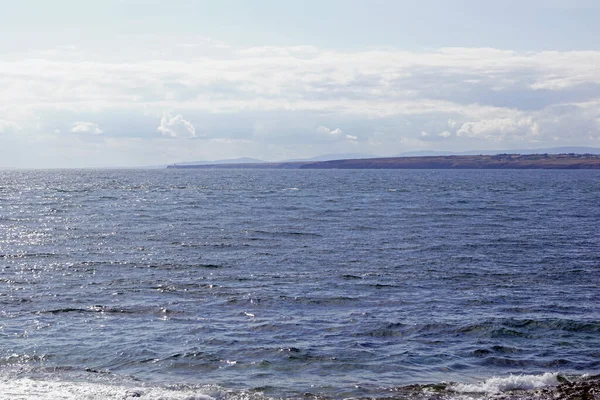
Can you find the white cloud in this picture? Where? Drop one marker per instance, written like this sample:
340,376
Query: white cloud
387,82
325,130
83,127
276,96
499,128
176,126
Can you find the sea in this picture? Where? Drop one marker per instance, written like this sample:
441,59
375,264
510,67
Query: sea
297,284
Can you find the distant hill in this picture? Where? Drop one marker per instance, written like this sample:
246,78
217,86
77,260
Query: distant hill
246,162
330,157
242,160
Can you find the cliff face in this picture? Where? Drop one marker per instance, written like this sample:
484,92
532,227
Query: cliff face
500,161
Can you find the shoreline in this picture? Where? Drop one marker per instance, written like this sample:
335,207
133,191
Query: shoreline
49,384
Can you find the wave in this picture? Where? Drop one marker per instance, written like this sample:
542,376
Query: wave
546,386
29,388
27,255
23,382
509,383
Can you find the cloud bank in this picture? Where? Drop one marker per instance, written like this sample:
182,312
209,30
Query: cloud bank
301,101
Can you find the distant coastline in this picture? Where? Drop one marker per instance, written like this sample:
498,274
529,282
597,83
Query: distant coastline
498,161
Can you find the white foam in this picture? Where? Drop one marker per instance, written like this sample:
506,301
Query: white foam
512,382
29,388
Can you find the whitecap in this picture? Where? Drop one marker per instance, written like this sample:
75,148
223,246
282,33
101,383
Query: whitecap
26,388
512,382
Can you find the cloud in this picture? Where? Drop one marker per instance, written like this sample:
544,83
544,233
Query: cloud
499,128
82,127
176,126
425,136
327,131
371,83
293,99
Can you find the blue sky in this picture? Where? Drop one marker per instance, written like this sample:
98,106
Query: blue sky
131,82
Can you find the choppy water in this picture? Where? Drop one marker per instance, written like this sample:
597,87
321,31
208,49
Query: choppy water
250,283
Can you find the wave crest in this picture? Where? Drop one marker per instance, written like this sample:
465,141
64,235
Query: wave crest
512,382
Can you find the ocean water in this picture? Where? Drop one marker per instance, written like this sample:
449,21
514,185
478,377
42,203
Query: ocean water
253,284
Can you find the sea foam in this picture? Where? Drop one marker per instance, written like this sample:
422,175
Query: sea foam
512,382
42,389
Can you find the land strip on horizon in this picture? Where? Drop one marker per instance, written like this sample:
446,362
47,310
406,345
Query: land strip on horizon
499,161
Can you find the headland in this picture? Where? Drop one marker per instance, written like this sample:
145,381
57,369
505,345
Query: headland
498,161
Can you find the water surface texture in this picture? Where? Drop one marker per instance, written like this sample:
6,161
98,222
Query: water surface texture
277,283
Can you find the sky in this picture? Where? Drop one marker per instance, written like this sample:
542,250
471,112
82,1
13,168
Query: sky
150,82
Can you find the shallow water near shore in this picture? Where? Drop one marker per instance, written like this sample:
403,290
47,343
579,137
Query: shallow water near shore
334,284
